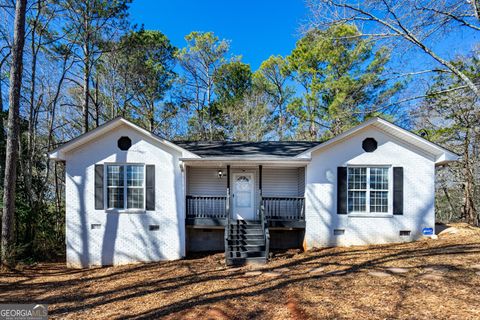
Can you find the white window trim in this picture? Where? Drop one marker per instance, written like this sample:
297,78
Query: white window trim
367,213
125,187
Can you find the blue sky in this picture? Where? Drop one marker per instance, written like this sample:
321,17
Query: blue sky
259,29
256,29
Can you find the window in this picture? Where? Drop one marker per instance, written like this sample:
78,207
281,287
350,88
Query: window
125,186
368,189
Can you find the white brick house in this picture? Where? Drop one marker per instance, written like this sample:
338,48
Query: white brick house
134,197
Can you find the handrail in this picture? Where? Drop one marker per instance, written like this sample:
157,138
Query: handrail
264,222
227,227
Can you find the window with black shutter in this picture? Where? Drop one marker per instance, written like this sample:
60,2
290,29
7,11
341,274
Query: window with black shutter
375,189
126,186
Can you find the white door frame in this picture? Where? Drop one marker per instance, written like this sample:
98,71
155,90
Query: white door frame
243,212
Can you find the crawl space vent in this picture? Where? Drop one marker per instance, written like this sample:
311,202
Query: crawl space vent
153,227
338,232
404,233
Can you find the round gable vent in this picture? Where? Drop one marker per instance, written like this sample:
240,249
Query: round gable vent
369,145
124,143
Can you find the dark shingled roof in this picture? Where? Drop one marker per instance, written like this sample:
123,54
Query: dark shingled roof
246,149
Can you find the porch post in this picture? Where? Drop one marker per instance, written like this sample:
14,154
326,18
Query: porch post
260,179
228,194
260,174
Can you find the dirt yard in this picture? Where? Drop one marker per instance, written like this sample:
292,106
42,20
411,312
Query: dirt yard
429,279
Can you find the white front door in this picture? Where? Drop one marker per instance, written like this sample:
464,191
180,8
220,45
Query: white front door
243,196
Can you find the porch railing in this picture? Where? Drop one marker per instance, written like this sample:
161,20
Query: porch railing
207,207
275,208
284,208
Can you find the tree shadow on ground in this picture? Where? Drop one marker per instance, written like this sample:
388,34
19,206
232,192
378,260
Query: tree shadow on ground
163,278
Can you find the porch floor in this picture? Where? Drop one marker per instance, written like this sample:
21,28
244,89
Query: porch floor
222,222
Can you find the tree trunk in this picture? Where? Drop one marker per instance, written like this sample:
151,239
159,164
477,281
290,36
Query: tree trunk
86,89
8,216
97,102
151,117
86,68
469,212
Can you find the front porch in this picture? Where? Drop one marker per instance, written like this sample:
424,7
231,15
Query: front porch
214,195
252,204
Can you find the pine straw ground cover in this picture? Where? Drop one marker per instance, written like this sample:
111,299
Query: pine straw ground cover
440,281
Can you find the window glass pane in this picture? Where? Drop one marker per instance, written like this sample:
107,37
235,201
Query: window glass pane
379,178
378,201
357,201
357,178
115,197
135,198
134,176
114,176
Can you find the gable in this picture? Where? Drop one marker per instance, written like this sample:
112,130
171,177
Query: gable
105,148
94,135
400,136
389,149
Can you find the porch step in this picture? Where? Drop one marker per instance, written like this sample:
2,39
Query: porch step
252,232
246,237
246,222
245,261
247,254
245,243
247,247
246,226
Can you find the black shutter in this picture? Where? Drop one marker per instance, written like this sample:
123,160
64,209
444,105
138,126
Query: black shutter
398,190
342,190
99,203
150,187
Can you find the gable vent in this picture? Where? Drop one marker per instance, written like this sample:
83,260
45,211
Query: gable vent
124,143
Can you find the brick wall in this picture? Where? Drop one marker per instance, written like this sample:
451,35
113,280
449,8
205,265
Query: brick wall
123,237
321,185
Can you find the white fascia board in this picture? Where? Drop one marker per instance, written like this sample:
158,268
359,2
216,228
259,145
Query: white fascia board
446,158
60,152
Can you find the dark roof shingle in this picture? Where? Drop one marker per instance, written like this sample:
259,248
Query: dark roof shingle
247,149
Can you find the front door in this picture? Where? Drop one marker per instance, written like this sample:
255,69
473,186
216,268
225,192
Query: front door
243,196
